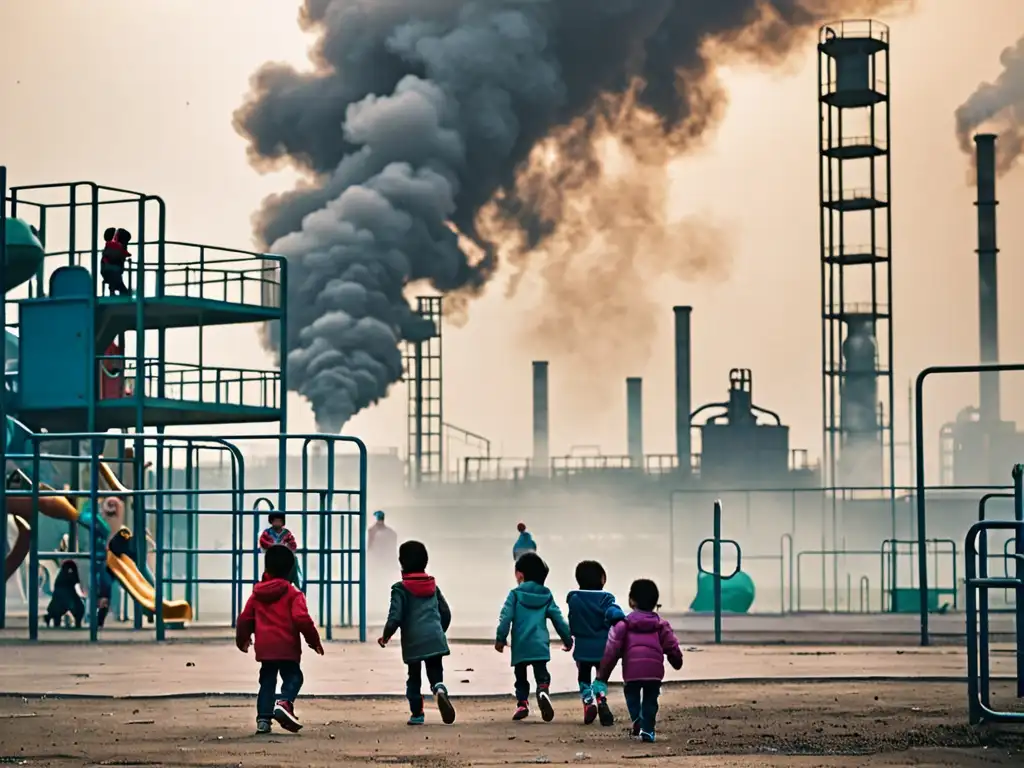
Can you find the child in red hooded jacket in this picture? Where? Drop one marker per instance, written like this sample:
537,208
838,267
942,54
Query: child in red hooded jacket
276,613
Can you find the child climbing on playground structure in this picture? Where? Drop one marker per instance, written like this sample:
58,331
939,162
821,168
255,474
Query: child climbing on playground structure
277,535
112,262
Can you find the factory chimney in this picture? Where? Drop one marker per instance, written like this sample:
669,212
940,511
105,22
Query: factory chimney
988,298
635,421
541,457
683,398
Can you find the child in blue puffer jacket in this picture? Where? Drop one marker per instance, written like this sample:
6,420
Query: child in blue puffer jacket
592,613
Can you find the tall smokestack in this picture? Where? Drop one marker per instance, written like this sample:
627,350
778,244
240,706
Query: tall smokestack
635,420
540,417
683,399
988,293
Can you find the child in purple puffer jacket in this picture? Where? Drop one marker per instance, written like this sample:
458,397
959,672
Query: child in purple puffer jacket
643,641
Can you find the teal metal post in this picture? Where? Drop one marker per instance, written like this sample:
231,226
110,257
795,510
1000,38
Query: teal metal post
362,539
1018,539
922,521
983,638
158,571
717,568
3,399
33,552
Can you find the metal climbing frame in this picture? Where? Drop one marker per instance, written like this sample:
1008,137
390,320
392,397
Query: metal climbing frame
334,543
979,703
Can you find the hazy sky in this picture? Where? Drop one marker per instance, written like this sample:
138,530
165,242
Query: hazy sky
140,93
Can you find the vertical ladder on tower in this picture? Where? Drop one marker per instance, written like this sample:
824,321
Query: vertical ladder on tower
856,240
424,383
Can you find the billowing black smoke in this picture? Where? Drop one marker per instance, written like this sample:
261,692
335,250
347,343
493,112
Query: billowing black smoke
419,112
998,107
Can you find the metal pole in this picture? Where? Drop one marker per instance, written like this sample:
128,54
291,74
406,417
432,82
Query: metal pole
1018,516
717,568
3,398
982,598
922,536
672,550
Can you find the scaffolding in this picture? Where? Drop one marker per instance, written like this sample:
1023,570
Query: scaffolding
425,420
856,241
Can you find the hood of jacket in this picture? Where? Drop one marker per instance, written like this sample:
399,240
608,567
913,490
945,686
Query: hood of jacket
643,621
533,595
524,542
419,584
591,598
271,589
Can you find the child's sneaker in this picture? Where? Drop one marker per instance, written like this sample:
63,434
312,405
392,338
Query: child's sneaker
647,737
522,711
547,711
284,714
589,712
416,719
262,726
605,712
635,731
444,704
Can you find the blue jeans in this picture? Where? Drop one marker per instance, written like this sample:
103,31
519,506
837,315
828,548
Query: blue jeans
291,683
414,685
642,702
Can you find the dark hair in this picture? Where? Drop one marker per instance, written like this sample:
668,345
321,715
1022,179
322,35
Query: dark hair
279,561
644,594
108,234
412,556
590,575
275,514
123,236
532,567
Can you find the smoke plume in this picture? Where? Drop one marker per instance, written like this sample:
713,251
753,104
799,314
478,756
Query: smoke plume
998,108
438,134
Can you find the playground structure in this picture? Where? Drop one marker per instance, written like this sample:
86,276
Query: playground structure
94,382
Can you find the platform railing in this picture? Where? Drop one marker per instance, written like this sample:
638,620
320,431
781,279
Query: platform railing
196,383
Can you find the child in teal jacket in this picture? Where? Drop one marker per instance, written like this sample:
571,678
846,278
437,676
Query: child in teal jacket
526,612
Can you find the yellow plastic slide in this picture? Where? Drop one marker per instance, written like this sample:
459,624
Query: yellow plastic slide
136,585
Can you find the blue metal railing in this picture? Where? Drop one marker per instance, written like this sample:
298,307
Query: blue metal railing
200,383
346,555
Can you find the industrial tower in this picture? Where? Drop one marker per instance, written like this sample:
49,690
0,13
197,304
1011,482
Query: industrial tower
856,240
424,415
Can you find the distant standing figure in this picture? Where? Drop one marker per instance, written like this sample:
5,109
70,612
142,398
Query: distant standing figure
524,543
277,534
68,596
381,542
115,254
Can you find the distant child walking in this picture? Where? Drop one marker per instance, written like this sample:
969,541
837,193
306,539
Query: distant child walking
592,612
643,641
524,543
278,535
525,613
420,611
276,614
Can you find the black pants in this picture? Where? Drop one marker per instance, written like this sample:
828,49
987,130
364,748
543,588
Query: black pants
65,601
540,674
291,683
642,702
114,278
414,685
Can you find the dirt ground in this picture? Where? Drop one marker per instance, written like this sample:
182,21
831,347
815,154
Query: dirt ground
812,724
